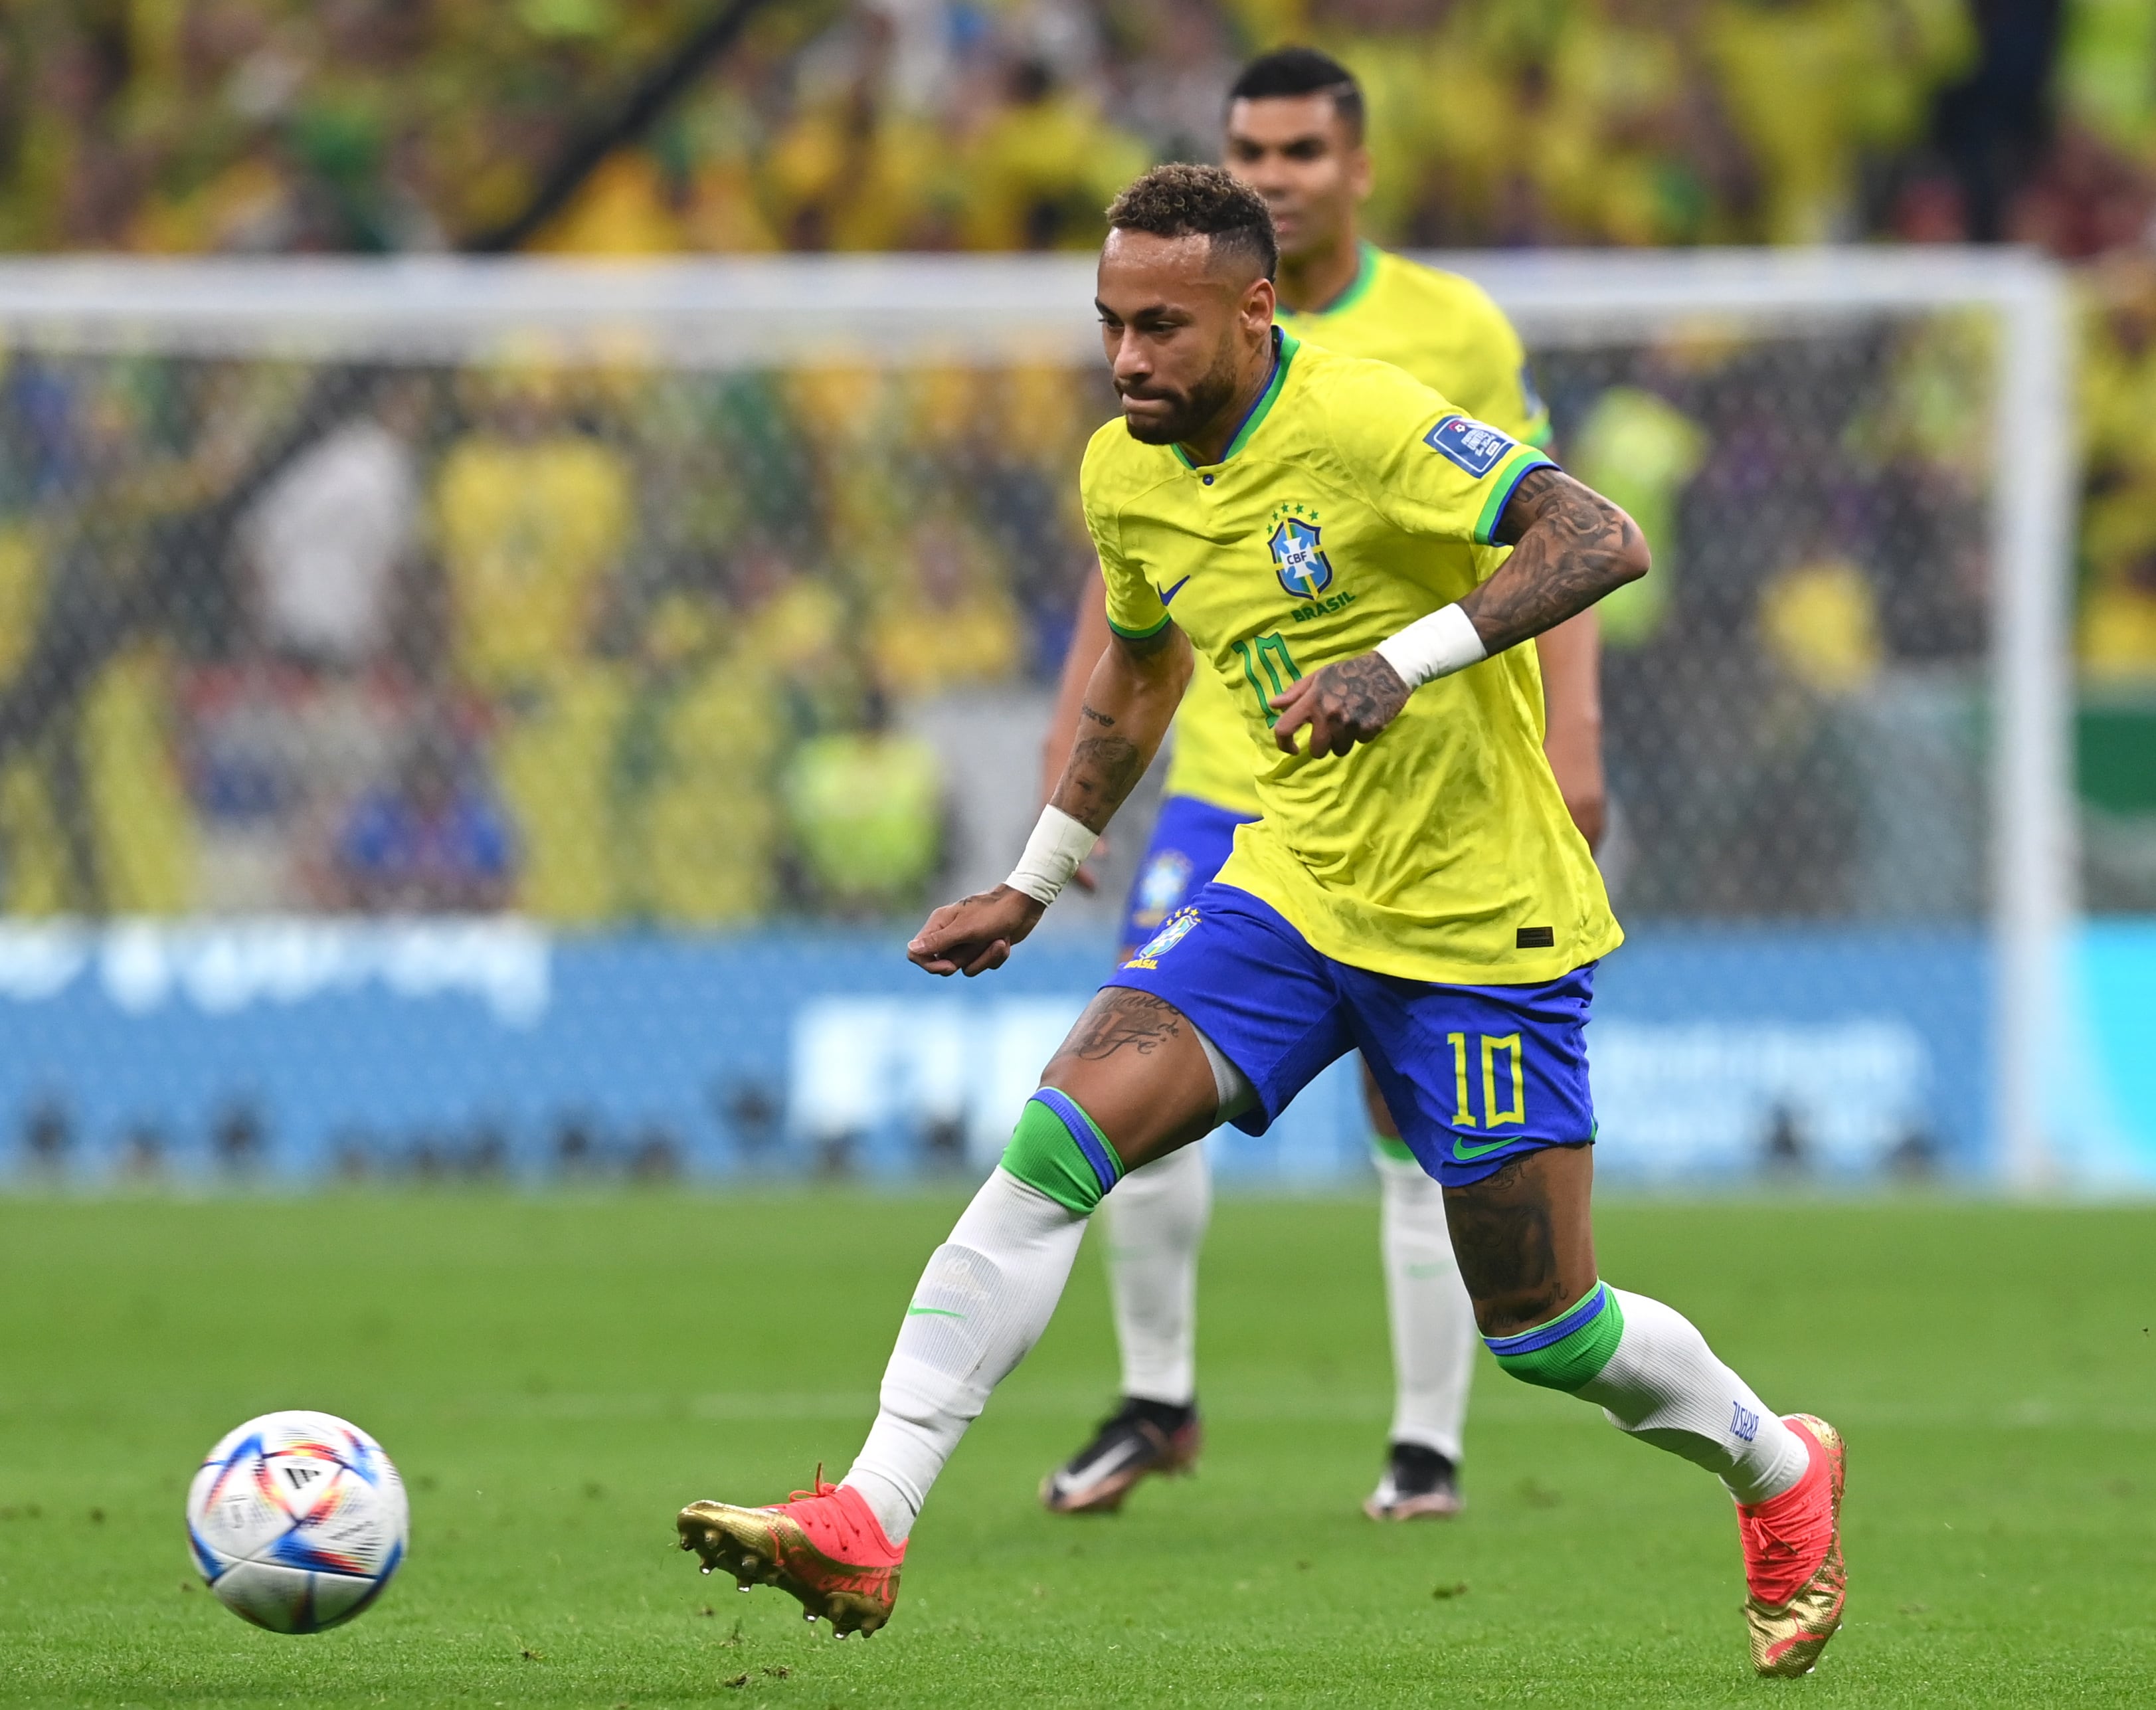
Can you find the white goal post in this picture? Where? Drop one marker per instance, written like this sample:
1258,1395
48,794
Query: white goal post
872,311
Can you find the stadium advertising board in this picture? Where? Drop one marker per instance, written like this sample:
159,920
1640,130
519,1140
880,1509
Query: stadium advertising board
315,1049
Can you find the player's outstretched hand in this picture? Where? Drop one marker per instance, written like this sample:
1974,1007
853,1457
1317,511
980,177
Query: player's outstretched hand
974,934
1343,704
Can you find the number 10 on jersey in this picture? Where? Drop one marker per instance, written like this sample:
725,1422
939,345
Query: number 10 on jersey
1268,654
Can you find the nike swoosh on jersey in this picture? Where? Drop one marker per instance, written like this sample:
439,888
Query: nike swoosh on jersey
1468,1155
1170,594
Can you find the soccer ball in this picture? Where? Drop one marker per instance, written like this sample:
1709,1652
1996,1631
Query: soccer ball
297,1521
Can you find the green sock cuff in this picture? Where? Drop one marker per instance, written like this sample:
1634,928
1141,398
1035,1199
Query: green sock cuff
1570,1350
1385,1146
1061,1151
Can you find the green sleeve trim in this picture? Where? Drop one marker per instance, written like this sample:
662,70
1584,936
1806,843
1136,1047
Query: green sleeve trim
1166,619
1507,477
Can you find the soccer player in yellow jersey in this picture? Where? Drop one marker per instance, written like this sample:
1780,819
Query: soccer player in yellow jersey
1360,563
1294,136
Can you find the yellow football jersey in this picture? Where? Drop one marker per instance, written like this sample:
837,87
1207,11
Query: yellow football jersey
1353,500
1445,331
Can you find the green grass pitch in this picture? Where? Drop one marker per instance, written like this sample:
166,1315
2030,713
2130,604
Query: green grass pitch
555,1376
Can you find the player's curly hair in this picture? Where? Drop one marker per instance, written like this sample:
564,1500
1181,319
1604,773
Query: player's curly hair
1183,201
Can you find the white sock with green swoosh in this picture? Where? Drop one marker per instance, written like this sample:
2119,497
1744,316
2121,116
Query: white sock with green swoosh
982,1303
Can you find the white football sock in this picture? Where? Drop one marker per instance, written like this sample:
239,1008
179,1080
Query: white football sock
982,1303
1665,1385
1155,1222
1432,1322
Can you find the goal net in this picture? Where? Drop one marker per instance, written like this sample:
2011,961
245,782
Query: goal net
481,717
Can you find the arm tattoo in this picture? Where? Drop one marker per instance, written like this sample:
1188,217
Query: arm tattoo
1104,768
1121,1017
1102,771
1570,546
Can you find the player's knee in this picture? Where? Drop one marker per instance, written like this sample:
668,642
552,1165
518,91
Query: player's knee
1059,1151
1566,1351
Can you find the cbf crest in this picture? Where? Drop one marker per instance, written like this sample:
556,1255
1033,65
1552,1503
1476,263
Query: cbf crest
1298,558
1179,928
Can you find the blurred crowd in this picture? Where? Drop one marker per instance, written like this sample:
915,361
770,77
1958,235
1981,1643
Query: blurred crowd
601,640
167,126
607,642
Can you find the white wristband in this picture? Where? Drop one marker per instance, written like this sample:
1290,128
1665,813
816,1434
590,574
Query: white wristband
1056,850
1434,646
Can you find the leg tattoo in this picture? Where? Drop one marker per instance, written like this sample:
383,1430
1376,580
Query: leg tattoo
1120,1018
1505,1234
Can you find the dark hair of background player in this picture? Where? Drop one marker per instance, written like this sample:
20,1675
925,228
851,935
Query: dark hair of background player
1184,200
1303,71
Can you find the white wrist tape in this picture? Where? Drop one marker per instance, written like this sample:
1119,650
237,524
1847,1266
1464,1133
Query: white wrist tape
1434,646
1056,850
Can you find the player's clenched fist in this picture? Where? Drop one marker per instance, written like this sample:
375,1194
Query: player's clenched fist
1343,704
975,934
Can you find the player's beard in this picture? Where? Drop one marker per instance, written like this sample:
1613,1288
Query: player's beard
1195,408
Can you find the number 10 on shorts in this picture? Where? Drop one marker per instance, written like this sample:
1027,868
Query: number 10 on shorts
1494,1046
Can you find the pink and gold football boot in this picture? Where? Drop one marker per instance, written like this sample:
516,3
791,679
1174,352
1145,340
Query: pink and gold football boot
823,1547
1794,1576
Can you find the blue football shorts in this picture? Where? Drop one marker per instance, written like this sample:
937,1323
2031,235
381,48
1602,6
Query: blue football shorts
1474,1075
1191,841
